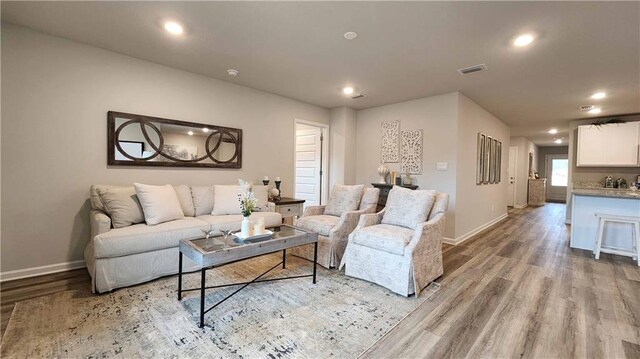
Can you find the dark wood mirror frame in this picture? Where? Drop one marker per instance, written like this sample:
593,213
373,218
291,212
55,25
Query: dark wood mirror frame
231,135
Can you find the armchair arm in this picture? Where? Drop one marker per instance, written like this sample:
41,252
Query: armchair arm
100,223
313,211
367,220
428,231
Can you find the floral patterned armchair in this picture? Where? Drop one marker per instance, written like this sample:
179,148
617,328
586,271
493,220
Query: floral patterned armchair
400,247
335,221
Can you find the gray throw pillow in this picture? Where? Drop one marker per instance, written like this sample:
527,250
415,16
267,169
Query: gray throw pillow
344,199
122,206
407,208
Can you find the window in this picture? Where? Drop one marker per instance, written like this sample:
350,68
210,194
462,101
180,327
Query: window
559,172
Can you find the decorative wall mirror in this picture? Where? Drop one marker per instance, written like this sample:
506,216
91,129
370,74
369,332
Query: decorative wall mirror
137,140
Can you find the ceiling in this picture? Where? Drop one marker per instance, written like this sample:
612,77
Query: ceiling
405,50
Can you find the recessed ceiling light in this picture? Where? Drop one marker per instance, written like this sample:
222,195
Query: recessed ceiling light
205,130
233,72
347,90
553,131
595,110
523,40
558,140
598,95
350,35
173,28
190,133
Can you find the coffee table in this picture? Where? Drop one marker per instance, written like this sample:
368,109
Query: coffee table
216,252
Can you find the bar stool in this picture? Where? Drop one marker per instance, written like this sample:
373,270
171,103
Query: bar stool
635,221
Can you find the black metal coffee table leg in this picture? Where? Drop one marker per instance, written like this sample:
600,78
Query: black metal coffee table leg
203,274
315,260
284,258
180,277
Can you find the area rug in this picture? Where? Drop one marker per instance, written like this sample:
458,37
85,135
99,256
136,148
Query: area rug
337,317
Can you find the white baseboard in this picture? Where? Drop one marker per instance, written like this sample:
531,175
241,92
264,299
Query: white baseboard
475,231
36,271
520,206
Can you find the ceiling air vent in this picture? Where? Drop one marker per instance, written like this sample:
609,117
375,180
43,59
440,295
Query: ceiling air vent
357,96
587,107
472,69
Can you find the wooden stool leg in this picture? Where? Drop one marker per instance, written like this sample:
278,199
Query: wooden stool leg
599,234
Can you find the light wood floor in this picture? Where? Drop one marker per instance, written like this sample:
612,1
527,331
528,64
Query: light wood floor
517,290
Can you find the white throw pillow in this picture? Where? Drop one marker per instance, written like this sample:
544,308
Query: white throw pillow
344,199
407,208
262,196
202,199
159,203
226,200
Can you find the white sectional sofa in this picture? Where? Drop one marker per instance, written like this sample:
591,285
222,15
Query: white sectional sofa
136,253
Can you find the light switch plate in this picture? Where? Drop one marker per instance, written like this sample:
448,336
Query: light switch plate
442,166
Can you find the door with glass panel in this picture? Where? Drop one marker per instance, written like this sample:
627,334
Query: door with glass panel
557,170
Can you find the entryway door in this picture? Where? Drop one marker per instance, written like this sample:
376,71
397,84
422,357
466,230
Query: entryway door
311,163
557,171
511,173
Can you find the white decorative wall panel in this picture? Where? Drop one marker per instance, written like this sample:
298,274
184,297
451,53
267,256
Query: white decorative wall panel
411,152
390,134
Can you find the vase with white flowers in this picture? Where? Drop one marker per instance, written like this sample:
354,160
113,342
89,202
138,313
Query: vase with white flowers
247,204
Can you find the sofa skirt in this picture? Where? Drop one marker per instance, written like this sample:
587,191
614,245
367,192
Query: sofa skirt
108,274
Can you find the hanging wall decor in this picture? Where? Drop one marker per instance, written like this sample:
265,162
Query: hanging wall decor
411,152
390,134
489,160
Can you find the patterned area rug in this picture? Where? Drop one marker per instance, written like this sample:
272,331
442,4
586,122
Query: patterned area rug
338,317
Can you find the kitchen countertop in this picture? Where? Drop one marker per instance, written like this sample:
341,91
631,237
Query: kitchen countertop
607,192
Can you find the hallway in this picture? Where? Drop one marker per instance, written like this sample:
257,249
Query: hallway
518,290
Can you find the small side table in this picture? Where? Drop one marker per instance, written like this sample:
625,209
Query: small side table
289,208
384,193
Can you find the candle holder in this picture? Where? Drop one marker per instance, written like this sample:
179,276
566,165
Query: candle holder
279,195
265,182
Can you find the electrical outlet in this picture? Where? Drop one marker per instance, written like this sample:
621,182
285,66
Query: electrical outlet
442,166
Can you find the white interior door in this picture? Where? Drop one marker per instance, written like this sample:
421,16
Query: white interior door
511,172
557,170
309,162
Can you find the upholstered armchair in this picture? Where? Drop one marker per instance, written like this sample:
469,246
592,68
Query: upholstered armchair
335,221
400,247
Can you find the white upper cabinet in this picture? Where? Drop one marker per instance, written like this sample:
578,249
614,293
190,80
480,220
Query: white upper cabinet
613,145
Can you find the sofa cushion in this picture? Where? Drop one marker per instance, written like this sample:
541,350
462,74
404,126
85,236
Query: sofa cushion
94,195
384,237
407,208
232,221
202,199
440,205
140,238
122,205
321,224
226,200
344,199
186,200
159,203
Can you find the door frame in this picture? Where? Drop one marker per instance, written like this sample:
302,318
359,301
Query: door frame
324,188
547,171
515,173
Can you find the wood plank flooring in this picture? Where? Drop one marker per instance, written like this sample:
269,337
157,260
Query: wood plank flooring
516,290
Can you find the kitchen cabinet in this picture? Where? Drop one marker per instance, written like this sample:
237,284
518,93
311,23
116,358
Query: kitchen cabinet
612,145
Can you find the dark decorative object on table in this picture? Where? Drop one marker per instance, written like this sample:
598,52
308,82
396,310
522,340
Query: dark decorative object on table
536,175
265,182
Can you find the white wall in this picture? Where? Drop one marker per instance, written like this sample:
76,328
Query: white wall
437,117
478,205
525,146
342,146
55,97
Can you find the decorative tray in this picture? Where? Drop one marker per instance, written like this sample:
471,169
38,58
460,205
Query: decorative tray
267,233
